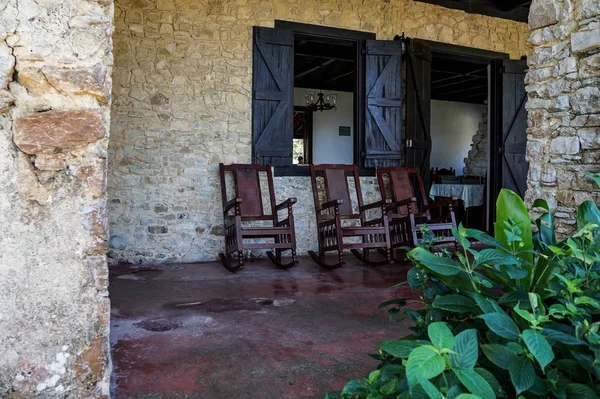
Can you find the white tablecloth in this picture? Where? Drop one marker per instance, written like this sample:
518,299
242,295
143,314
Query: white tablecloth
471,194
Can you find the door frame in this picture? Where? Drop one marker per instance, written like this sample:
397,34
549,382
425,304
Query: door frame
360,38
494,61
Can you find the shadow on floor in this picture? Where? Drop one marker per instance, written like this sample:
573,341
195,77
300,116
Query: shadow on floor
198,331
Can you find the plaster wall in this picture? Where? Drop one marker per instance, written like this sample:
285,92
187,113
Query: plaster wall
453,126
182,104
55,78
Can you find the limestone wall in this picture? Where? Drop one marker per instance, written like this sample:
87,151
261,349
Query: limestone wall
476,163
563,84
55,74
182,104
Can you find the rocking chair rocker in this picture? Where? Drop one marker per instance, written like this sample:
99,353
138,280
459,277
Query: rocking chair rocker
336,205
406,188
247,205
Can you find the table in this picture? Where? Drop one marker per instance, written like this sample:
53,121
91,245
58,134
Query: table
471,194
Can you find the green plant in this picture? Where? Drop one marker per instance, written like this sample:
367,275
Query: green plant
518,319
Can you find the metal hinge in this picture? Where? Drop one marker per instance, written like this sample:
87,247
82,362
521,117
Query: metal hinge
409,143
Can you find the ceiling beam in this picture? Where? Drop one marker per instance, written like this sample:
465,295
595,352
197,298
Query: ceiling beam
343,75
324,57
468,79
458,74
462,90
315,68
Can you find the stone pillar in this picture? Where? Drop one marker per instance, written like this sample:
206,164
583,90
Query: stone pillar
563,85
477,160
55,68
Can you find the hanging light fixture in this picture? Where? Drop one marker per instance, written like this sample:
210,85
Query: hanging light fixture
321,102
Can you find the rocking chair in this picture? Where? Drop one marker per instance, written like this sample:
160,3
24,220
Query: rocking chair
336,206
414,212
247,205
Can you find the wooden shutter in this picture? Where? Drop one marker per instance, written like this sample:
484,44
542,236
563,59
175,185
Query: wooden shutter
383,118
418,109
272,96
514,127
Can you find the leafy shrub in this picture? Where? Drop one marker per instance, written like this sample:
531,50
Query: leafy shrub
518,319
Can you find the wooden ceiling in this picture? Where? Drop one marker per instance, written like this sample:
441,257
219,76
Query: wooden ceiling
322,64
457,80
516,10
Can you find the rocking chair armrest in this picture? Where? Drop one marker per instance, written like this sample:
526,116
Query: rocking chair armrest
375,205
446,201
404,202
232,203
286,203
330,204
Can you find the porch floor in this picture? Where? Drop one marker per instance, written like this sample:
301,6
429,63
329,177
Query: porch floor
199,331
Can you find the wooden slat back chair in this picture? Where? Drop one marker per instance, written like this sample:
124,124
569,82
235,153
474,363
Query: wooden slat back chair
413,210
333,203
247,205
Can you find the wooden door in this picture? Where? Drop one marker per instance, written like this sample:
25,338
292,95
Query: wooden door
514,127
383,116
272,96
418,108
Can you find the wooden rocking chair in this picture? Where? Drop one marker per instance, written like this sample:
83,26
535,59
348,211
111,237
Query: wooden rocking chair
336,205
413,211
247,205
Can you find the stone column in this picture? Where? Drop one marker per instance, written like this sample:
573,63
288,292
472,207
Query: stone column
563,86
55,68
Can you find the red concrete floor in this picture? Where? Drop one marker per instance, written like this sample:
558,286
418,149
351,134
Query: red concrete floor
199,331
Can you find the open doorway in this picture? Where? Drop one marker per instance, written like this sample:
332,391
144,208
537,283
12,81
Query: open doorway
459,134
324,90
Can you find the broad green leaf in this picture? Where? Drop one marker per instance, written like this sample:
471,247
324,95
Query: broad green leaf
467,350
491,379
524,314
468,396
595,177
397,302
510,205
539,347
333,395
423,362
543,271
515,348
580,391
438,264
586,300
355,388
398,348
493,256
475,383
498,354
545,224
415,278
587,213
454,303
454,392
440,335
562,337
431,390
488,305
522,373
514,297
501,324
482,237
389,387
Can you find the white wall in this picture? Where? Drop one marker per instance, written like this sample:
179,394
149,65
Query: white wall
453,125
328,145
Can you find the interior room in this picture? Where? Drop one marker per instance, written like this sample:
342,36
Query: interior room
324,87
459,133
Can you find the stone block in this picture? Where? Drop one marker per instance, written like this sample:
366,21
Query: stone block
590,66
586,40
588,9
543,13
589,138
586,100
51,162
7,65
56,130
91,81
565,145
34,81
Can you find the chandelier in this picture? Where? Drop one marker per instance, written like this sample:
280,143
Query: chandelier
320,102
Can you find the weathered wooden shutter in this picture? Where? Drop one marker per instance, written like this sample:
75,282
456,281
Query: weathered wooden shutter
514,127
383,117
272,96
418,108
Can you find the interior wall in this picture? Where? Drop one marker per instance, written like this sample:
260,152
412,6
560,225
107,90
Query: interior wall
328,145
182,87
453,126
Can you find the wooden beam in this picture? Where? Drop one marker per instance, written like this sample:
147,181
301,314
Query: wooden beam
468,79
339,76
315,68
462,90
457,74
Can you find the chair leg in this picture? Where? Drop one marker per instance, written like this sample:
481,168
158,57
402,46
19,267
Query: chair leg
319,259
276,259
226,260
363,258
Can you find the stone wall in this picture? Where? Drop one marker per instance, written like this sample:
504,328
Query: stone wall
476,162
182,104
563,85
55,74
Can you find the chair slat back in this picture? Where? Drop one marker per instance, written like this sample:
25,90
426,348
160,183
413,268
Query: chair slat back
336,185
247,186
404,183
